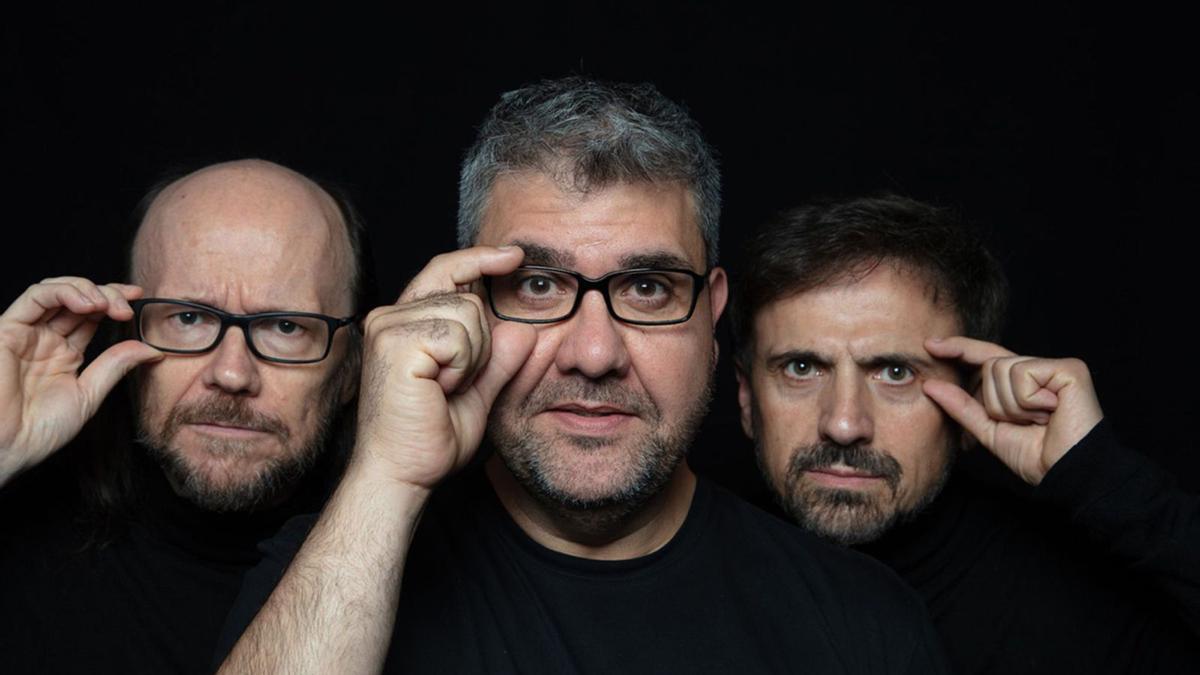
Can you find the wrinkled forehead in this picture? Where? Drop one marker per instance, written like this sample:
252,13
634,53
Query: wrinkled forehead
887,308
616,226
260,234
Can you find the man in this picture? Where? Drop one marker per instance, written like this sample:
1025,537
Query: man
582,321
850,319
243,277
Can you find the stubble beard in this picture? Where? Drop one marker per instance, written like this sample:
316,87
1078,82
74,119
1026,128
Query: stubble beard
847,517
650,460
227,483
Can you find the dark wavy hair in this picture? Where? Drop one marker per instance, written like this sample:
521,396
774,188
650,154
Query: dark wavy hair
814,245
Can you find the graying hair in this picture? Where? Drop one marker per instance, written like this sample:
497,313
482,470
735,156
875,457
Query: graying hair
589,135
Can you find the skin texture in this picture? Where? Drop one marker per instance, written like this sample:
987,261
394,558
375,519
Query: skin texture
434,365
839,367
596,422
231,430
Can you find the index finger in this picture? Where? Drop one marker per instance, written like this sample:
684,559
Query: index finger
454,272
965,349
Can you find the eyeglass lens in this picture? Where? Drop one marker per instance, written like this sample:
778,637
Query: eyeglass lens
174,327
547,295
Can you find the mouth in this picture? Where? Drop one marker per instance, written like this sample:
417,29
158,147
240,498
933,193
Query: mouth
226,430
841,476
590,418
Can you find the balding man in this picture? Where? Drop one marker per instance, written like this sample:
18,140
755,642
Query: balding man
245,281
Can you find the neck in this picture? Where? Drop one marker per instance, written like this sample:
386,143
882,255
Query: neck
611,533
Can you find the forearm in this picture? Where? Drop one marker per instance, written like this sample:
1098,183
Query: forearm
334,609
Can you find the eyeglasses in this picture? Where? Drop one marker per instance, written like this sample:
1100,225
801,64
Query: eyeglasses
643,297
182,327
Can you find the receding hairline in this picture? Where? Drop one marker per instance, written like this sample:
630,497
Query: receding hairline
330,211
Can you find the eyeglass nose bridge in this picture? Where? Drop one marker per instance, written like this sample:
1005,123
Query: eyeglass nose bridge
242,322
600,285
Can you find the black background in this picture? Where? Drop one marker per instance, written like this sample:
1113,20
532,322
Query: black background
1065,130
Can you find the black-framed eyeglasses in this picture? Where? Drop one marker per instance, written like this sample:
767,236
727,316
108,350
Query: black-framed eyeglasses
643,297
182,327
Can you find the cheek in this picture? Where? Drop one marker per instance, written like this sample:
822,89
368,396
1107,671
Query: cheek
673,372
163,385
921,447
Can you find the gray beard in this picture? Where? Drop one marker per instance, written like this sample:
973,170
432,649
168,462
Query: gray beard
847,517
654,461
269,482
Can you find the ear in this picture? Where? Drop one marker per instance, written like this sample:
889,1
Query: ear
718,293
745,401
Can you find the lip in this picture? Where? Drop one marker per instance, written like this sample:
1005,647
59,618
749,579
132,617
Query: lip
843,477
590,418
224,431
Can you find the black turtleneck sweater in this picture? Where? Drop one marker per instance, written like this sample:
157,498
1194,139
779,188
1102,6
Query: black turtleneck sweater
1100,573
150,598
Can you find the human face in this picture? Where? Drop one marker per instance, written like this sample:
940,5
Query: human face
234,432
602,412
832,397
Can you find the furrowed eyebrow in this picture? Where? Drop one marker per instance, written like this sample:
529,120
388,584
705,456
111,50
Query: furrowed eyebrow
536,254
896,358
655,260
776,360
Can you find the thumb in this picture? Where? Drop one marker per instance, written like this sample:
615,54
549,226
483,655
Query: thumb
512,343
102,375
962,408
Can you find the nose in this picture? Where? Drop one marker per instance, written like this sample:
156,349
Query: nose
232,368
846,415
593,345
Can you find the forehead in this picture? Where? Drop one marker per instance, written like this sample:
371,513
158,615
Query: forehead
890,310
246,239
597,231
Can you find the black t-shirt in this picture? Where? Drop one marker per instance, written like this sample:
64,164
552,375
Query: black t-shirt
150,596
734,591
1015,589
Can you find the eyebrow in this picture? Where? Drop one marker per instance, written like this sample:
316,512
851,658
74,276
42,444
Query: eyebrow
655,260
869,363
537,254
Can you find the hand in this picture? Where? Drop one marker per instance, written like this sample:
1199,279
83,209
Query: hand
44,399
432,369
1033,410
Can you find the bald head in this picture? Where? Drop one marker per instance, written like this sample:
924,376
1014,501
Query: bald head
261,218
232,431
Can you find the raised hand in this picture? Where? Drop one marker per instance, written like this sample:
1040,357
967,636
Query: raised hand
432,369
1028,411
44,399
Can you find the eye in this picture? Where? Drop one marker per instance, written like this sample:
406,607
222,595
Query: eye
648,288
800,369
187,318
896,373
537,285
286,327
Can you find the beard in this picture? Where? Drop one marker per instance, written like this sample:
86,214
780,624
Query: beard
542,462
848,517
229,480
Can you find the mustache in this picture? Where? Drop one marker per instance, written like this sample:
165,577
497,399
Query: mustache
859,457
605,391
226,411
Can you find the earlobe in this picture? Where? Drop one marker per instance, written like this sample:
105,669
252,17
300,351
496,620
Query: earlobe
745,402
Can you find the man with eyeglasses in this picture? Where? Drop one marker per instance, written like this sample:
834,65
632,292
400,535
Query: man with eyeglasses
245,278
576,331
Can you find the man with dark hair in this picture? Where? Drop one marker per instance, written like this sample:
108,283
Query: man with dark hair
858,322
578,329
244,276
